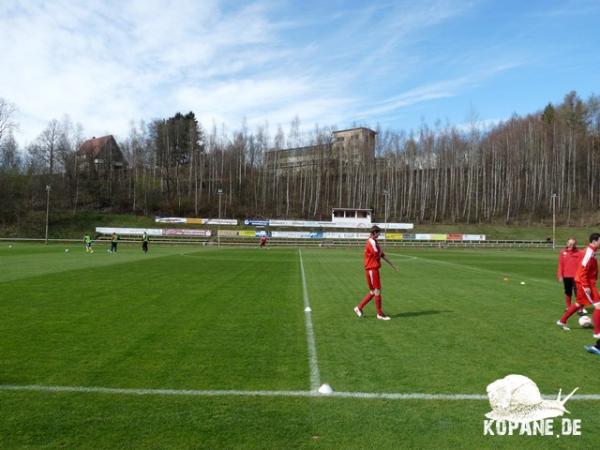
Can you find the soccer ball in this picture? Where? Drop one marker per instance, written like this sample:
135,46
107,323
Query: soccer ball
66,250
585,322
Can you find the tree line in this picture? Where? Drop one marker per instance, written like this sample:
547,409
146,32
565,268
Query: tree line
516,170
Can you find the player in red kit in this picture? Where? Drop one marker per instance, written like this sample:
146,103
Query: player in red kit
568,261
373,256
263,241
587,293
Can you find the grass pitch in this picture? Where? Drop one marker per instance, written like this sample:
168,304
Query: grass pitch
189,319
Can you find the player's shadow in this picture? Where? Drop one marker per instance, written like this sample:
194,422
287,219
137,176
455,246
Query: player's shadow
420,313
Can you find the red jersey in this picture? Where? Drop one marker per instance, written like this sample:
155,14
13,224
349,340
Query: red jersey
373,254
568,261
587,271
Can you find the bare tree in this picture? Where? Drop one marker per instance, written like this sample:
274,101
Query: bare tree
7,111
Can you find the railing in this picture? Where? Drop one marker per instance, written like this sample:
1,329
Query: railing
337,243
315,243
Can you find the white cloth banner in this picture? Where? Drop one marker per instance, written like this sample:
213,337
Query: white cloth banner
473,237
335,235
170,220
153,231
358,225
130,231
221,221
394,226
196,221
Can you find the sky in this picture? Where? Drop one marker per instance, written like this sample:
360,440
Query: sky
399,64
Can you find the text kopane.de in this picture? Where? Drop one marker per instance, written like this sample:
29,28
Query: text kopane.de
547,427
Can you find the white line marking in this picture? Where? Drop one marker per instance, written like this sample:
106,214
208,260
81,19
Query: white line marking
478,269
401,256
310,334
134,391
241,393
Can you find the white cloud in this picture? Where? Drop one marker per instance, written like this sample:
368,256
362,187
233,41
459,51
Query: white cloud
438,89
106,63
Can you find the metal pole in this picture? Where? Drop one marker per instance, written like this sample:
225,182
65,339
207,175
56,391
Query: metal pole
47,209
386,194
220,194
553,221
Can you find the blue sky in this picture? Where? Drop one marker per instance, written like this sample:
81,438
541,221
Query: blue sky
335,63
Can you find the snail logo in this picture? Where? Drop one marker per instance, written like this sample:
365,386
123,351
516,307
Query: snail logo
517,399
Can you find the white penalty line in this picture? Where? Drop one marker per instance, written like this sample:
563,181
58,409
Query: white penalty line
310,334
241,393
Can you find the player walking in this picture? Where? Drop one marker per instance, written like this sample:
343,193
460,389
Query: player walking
587,293
87,240
373,256
568,261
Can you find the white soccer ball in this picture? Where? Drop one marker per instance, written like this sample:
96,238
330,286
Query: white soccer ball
10,246
66,250
585,322
325,389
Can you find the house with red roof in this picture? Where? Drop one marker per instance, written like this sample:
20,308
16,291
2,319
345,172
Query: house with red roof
102,152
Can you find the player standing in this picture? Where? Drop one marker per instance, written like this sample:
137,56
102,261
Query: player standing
145,240
114,240
587,293
263,241
568,261
373,256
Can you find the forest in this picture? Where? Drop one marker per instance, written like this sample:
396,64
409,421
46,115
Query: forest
515,171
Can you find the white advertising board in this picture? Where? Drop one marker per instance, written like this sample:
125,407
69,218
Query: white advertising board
129,231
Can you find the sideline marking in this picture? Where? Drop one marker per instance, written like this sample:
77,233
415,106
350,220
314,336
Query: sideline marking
241,393
310,334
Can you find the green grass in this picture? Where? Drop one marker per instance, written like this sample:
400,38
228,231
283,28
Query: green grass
232,319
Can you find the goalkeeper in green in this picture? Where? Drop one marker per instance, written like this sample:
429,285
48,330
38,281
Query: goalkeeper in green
87,240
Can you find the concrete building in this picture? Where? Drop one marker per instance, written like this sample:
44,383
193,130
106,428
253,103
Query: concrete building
354,145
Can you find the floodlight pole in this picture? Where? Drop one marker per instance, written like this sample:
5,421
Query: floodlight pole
386,195
554,220
220,194
47,209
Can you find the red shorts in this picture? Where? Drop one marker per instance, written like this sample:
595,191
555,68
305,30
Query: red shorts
373,279
582,297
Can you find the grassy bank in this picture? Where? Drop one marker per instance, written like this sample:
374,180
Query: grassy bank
73,226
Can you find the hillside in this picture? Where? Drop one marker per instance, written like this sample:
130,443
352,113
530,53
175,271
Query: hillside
69,226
